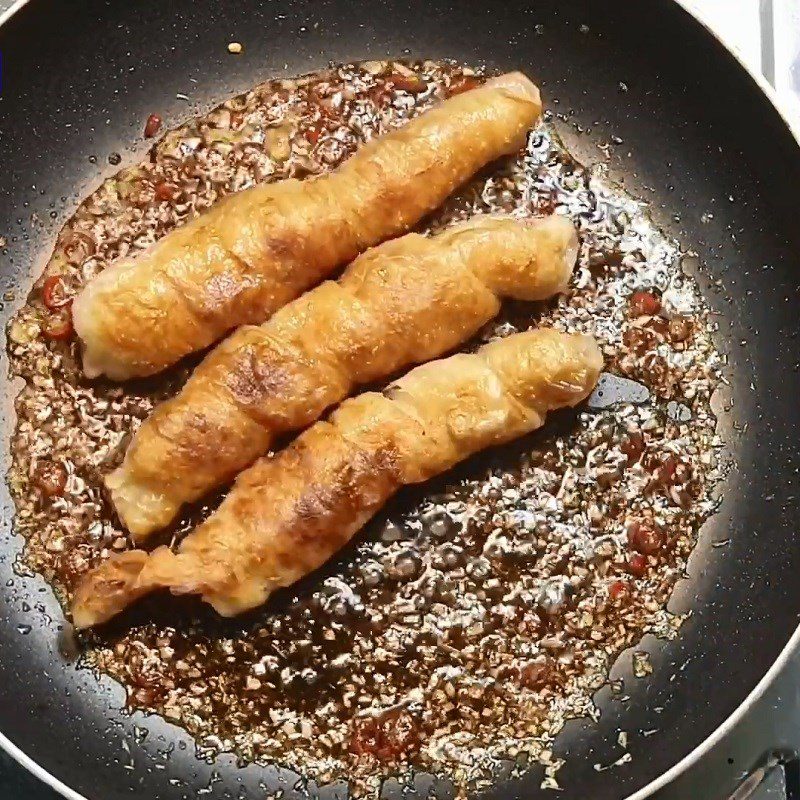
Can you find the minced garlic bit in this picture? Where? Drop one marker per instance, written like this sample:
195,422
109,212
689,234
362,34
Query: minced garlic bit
626,758
642,665
235,47
460,631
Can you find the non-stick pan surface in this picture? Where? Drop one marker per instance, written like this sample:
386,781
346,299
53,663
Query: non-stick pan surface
699,141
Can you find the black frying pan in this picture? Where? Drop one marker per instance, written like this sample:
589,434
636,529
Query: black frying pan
699,136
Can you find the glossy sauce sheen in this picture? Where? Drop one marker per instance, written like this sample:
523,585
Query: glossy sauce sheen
477,612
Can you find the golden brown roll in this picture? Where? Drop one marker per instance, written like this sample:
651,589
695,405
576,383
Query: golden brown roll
289,513
256,250
404,302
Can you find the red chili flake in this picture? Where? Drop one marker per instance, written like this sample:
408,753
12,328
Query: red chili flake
165,191
380,95
319,92
54,292
51,478
639,340
538,673
637,565
632,446
619,590
365,739
315,131
385,737
680,329
143,696
659,325
412,84
463,84
644,304
58,325
152,126
644,539
666,472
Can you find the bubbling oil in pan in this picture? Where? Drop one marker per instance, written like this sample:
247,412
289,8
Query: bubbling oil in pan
478,613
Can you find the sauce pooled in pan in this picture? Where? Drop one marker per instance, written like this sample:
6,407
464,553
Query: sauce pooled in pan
478,612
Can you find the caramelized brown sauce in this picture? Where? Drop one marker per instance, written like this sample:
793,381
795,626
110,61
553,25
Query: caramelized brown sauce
477,613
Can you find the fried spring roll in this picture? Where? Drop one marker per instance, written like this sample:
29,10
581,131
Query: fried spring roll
289,513
256,250
405,302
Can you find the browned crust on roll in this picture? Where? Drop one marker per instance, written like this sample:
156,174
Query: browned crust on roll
254,251
288,514
404,302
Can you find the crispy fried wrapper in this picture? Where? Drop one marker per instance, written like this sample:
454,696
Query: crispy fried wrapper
256,250
404,302
289,513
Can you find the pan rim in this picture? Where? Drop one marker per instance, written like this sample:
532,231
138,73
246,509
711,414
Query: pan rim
38,771
11,10
792,645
